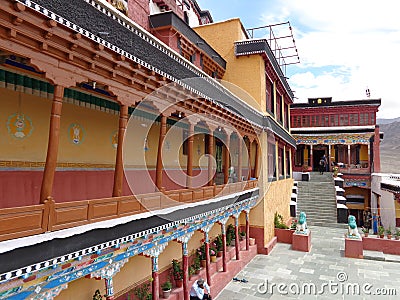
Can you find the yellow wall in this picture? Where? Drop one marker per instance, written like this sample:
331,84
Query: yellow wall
358,191
364,153
397,208
98,128
277,200
31,148
247,72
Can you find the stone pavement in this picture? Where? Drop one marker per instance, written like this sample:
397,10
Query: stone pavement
323,273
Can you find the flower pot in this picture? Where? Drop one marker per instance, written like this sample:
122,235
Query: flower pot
203,263
396,237
179,283
381,236
389,236
233,243
166,293
197,271
219,253
366,234
242,237
252,241
213,258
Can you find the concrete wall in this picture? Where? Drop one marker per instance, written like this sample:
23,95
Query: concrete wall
386,201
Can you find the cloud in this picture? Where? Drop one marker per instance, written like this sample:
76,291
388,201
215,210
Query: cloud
344,47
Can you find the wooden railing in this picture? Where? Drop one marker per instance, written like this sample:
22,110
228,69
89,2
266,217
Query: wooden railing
35,219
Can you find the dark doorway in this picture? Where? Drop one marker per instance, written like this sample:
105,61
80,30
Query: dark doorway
317,155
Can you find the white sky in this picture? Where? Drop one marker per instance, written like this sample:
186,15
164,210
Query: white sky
344,46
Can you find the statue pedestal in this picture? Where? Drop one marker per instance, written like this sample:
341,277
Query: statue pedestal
353,247
301,242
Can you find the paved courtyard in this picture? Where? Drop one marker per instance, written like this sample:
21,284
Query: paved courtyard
323,273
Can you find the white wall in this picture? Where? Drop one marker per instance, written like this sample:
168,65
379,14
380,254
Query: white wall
388,213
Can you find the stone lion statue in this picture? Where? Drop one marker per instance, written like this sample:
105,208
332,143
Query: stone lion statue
352,230
302,223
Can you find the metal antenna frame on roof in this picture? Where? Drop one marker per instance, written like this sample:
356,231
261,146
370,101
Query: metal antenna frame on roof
280,53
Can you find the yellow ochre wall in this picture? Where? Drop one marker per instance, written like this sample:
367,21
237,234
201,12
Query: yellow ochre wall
364,152
31,148
248,72
397,209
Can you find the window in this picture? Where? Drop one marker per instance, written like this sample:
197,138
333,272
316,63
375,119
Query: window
185,135
271,161
353,119
272,98
372,120
288,166
281,162
278,107
270,95
206,143
286,115
344,120
363,119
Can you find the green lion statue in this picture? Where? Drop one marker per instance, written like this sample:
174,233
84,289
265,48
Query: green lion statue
302,223
352,228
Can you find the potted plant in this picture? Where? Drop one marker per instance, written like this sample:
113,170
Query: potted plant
365,231
242,235
191,271
219,245
97,295
278,222
196,264
201,254
335,170
177,273
166,289
389,233
142,292
230,235
397,234
381,232
213,255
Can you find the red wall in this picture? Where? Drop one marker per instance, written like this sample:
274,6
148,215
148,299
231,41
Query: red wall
139,11
22,188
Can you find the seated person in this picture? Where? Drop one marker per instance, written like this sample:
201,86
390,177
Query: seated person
200,290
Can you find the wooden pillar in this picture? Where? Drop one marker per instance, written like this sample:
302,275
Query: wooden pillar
155,284
210,158
159,166
109,288
284,173
369,157
227,160
207,248
249,157
255,174
52,146
223,232
247,231
189,170
119,167
239,171
237,243
348,156
185,267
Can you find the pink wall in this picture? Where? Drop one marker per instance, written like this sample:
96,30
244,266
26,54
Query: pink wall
22,188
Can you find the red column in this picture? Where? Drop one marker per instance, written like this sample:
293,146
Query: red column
52,146
249,156
119,168
223,247
155,284
226,164
208,274
185,267
255,173
189,170
163,131
247,231
239,171
210,158
237,243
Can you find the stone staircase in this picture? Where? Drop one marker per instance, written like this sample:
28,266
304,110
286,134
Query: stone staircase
317,198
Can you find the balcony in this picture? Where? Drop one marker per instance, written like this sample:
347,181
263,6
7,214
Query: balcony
37,219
